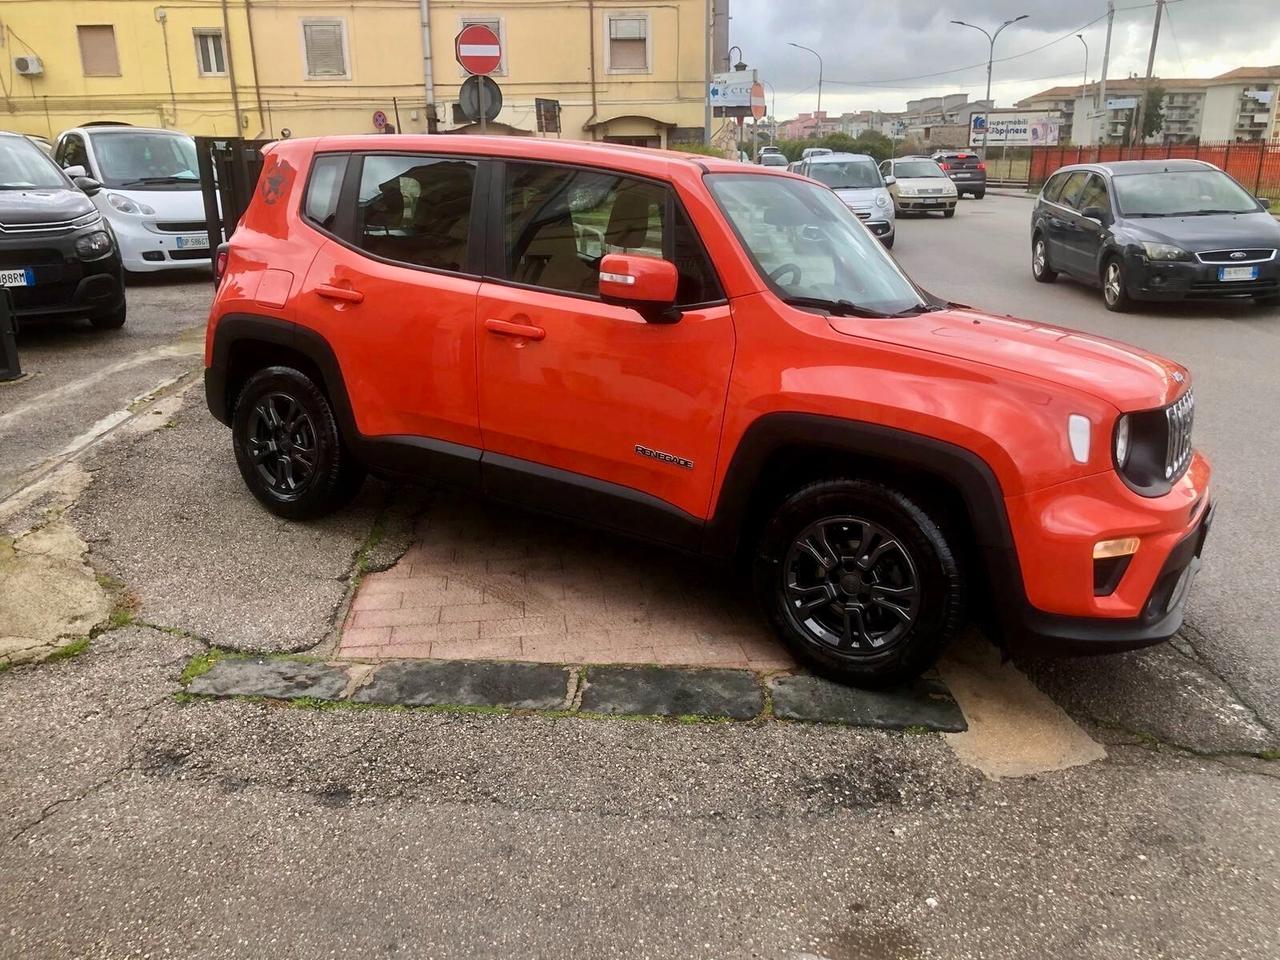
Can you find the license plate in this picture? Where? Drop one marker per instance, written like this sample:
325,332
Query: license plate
1237,273
931,200
192,243
23,277
963,176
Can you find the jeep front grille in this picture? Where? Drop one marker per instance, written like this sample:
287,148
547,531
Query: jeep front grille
1179,415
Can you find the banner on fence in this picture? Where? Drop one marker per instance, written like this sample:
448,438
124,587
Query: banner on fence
1033,128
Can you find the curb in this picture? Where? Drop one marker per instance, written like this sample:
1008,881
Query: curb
595,691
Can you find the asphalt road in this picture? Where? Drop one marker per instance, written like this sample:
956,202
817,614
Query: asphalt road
983,257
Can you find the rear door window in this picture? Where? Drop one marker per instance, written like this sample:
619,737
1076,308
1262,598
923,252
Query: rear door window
416,209
558,223
1072,188
1053,189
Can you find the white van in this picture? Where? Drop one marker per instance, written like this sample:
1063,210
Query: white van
151,191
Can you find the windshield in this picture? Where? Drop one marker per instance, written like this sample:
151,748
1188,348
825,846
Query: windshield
1181,193
911,169
141,159
809,245
839,174
24,167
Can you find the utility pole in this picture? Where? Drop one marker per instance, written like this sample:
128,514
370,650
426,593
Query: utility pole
710,26
1100,103
1139,118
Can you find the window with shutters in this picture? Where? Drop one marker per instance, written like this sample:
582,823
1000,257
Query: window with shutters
497,25
211,54
98,56
627,43
325,49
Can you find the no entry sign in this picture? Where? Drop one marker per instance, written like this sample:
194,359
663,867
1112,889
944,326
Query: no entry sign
478,49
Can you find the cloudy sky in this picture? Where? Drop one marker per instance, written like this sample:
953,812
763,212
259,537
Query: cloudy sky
877,52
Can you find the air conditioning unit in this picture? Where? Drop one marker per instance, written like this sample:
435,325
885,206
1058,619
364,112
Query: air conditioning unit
28,66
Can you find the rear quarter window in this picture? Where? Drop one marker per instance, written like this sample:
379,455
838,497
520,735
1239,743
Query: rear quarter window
323,190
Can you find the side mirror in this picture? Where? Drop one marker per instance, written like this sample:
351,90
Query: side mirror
890,180
646,284
1096,213
75,171
90,186
1264,203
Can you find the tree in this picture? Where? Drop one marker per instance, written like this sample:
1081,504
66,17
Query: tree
1153,112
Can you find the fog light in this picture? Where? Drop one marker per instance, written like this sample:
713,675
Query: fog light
1124,547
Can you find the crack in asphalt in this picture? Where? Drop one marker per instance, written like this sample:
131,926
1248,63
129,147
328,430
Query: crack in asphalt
1201,658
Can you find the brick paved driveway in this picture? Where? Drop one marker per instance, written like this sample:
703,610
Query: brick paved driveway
484,581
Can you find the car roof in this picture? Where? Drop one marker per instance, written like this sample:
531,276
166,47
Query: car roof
641,160
110,128
1120,168
840,158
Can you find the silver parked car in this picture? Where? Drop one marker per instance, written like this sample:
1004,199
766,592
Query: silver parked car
856,180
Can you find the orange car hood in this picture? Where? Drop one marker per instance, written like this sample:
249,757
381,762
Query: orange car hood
1124,375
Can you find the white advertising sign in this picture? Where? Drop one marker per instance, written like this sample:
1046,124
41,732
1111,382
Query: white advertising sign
732,89
1121,103
1031,129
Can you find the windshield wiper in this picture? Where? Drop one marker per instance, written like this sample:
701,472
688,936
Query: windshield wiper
919,308
837,308
170,179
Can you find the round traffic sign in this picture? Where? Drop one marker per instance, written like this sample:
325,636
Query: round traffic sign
469,98
379,119
478,49
757,100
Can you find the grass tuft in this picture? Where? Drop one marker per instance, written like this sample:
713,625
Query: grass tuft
68,650
199,665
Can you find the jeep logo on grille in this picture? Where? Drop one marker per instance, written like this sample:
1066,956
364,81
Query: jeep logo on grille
664,457
1239,255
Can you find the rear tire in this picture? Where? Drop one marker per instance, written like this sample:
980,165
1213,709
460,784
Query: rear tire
1040,268
979,195
859,582
113,320
1115,297
288,447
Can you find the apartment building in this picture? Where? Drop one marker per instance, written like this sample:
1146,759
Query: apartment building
1235,106
621,71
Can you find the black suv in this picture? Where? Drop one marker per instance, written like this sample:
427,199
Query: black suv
1156,230
966,169
58,257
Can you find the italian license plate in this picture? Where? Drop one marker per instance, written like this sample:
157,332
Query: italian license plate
931,200
192,243
23,277
1237,273
963,176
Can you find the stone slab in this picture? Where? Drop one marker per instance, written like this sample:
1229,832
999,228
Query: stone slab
926,703
278,679
673,692
475,683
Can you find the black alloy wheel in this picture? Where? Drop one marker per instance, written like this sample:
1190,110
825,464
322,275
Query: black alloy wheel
288,447
859,582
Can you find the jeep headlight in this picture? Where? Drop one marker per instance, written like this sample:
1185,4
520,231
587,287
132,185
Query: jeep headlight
134,207
94,246
1121,441
1164,251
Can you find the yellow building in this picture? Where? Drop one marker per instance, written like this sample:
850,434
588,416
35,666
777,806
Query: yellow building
631,72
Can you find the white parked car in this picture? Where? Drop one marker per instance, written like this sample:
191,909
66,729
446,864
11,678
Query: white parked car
151,191
857,181
920,185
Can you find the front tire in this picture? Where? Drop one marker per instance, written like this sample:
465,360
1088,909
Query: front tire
859,582
1115,296
112,320
1040,268
288,448
949,212
888,242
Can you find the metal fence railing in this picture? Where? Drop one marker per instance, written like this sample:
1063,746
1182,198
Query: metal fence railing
229,168
1255,165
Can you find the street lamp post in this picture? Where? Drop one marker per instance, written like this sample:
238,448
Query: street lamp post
817,122
773,109
1084,90
991,55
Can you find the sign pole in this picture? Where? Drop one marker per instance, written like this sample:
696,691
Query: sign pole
480,89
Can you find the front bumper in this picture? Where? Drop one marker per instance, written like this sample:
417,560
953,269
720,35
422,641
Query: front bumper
1193,280
64,285
144,248
926,204
1055,531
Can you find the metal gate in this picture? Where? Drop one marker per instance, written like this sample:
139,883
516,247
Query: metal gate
229,168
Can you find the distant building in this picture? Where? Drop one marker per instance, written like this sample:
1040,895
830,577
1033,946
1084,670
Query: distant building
936,120
809,126
1239,105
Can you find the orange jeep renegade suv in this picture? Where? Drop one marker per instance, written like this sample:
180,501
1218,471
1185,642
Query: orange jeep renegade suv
711,355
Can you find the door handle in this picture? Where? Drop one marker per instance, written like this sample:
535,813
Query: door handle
346,294
506,328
